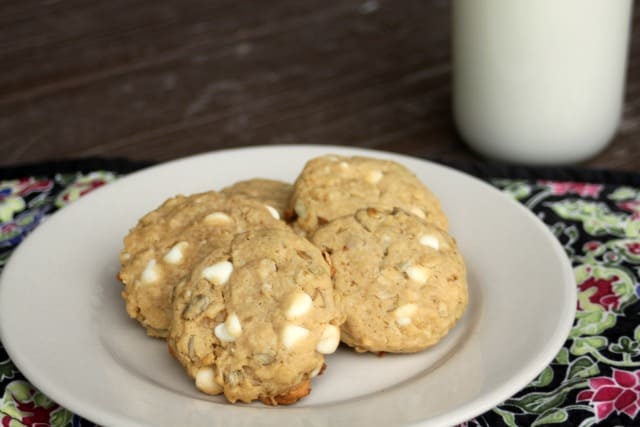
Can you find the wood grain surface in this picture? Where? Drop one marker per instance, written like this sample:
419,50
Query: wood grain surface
156,80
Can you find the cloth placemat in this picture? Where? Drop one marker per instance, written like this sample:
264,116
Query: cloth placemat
595,377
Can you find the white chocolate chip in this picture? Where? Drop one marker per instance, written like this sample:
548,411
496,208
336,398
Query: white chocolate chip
329,340
150,273
233,325
274,213
344,165
405,310
417,273
301,209
418,212
219,273
218,218
431,241
125,256
403,321
229,330
223,335
176,253
315,372
291,334
403,314
374,176
206,382
298,304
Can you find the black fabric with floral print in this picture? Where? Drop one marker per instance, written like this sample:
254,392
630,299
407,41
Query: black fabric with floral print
595,377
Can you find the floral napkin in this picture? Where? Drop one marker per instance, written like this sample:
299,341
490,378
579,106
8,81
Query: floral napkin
595,377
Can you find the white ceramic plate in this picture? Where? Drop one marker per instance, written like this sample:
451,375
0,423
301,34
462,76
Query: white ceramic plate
64,324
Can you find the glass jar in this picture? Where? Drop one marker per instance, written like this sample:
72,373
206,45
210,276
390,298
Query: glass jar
539,81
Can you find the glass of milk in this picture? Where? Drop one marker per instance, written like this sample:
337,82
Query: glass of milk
539,81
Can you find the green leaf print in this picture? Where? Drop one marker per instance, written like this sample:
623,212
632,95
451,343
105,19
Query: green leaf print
582,346
42,401
624,193
556,229
538,403
632,228
592,323
20,390
7,370
583,367
65,179
597,219
541,402
572,233
544,379
554,416
563,357
41,200
508,417
9,207
518,190
61,418
625,346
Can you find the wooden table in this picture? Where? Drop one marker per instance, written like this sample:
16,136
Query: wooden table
163,79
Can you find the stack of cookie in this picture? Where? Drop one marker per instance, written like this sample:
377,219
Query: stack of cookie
253,285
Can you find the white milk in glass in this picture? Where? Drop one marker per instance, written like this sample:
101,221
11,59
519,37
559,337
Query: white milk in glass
539,81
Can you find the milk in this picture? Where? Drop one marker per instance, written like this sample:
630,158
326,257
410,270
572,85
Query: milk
539,81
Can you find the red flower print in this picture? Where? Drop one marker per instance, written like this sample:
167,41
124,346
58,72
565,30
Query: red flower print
592,245
634,248
84,188
560,188
32,415
630,205
604,294
30,185
620,393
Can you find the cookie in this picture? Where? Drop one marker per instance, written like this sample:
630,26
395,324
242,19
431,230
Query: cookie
402,281
333,186
256,318
167,243
275,194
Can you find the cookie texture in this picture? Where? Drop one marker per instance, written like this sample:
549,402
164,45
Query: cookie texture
333,186
273,193
402,281
256,318
165,245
